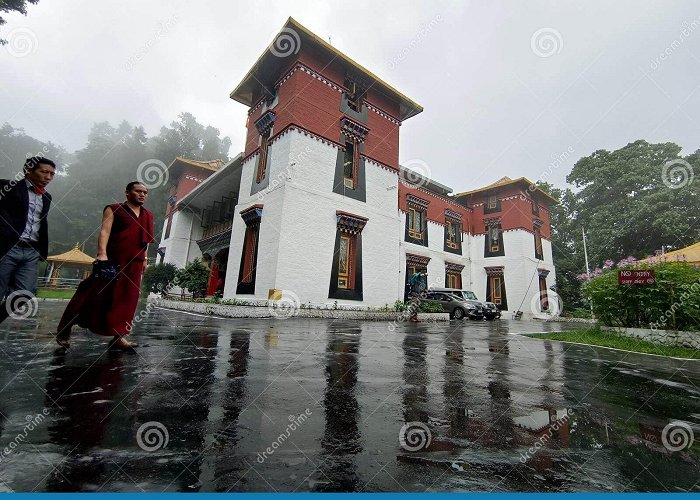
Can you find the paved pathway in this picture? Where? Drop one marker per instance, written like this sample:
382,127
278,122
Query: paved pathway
319,405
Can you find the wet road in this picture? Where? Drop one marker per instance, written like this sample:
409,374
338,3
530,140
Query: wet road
210,404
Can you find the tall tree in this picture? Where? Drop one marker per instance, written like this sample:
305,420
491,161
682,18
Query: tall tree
189,138
16,6
637,198
16,146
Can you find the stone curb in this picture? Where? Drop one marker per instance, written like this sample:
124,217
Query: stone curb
665,337
231,311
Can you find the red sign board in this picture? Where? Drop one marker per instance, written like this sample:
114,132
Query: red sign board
636,277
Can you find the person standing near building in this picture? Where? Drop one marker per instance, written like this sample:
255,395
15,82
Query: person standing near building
417,284
24,240
106,307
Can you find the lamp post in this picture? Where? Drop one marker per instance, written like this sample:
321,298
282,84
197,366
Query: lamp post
588,269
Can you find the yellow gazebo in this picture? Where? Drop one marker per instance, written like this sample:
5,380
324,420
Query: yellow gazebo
75,258
690,254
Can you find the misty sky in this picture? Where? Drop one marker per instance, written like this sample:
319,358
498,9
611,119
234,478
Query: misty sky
507,86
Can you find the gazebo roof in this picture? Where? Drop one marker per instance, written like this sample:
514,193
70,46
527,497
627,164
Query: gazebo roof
75,256
690,254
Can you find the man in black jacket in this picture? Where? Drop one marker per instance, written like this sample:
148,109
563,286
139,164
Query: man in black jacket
24,205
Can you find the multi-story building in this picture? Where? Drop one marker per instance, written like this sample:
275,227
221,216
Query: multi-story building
318,205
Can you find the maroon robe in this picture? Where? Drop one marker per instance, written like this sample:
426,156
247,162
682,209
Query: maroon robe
107,308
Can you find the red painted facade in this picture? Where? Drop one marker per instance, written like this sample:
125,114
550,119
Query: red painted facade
190,178
516,208
437,206
314,105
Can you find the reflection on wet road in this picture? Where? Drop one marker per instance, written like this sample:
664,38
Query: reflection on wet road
210,404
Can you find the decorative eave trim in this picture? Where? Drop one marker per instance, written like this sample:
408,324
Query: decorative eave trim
383,114
415,202
420,260
302,130
452,267
453,215
542,273
265,122
537,223
493,270
335,86
492,221
252,215
435,195
350,223
302,67
353,130
440,223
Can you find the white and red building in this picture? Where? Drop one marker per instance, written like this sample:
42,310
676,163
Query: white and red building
318,204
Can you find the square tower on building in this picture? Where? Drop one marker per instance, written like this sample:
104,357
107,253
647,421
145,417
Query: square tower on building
317,206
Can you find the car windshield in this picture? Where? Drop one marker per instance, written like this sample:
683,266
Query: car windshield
470,295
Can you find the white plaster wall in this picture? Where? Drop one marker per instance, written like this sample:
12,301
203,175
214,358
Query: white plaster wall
269,236
434,250
520,266
308,226
178,244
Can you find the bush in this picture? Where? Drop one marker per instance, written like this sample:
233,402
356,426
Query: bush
158,278
431,307
579,312
399,306
194,277
673,302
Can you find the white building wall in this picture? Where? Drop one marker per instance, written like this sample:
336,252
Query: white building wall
179,244
308,225
269,235
436,251
520,270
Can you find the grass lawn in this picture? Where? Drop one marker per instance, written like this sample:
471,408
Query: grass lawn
48,293
603,338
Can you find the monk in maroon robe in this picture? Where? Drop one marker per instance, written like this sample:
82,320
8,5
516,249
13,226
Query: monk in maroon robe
107,306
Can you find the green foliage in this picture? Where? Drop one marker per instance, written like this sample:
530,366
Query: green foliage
579,313
431,307
399,306
17,146
672,303
596,336
13,5
194,277
96,175
628,203
158,278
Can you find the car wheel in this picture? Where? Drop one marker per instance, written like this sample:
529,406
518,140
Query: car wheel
458,313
